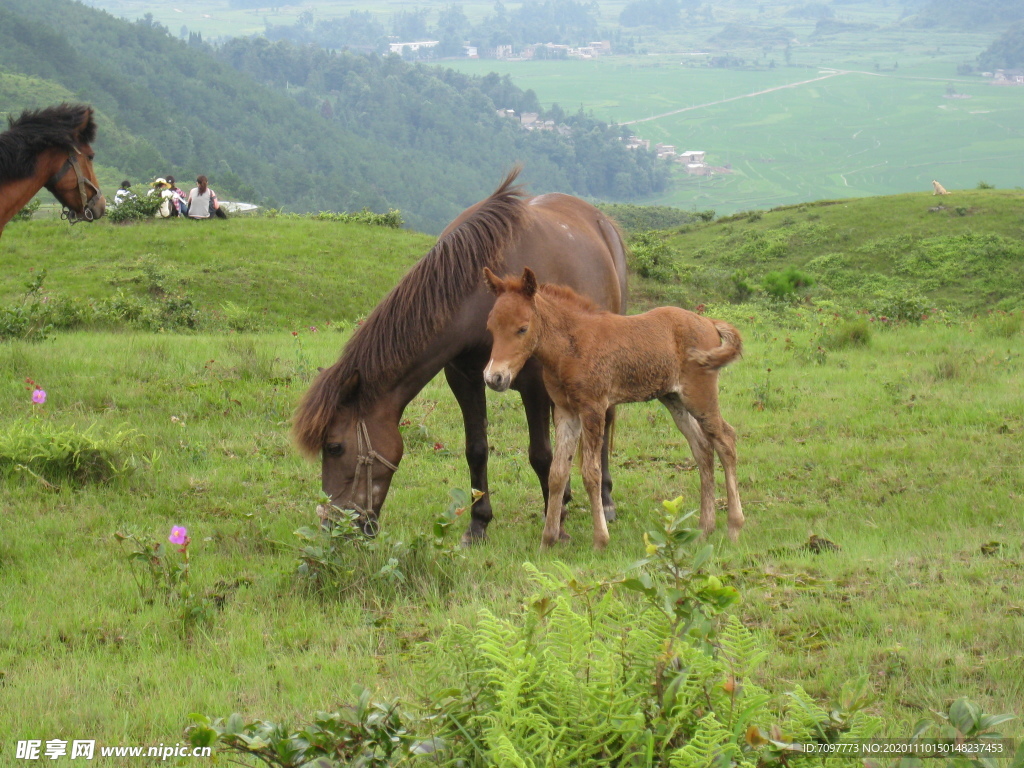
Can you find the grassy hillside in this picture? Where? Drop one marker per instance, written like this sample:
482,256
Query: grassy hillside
960,251
282,273
274,274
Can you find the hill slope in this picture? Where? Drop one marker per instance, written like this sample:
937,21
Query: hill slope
963,251
278,274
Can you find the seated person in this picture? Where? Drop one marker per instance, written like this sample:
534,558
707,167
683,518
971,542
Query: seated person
178,199
124,193
202,201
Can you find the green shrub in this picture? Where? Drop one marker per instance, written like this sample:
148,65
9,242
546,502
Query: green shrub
651,257
900,307
134,208
1003,325
26,213
785,284
392,219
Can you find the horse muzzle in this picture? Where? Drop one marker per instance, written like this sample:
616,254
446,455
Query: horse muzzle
499,381
331,515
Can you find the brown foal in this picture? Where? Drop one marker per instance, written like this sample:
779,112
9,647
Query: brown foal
594,359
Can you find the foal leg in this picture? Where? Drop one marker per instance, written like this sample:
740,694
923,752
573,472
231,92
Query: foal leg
593,439
567,435
703,454
606,475
468,388
701,399
537,405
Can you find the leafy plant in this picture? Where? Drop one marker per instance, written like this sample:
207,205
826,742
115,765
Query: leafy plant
335,561
784,285
157,575
900,307
54,456
134,208
851,333
26,213
367,734
651,257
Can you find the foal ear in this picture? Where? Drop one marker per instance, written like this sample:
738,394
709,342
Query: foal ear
494,283
529,283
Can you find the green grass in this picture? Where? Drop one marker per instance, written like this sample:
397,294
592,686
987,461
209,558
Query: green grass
902,450
284,273
905,463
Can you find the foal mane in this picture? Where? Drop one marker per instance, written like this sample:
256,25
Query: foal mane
411,315
566,295
36,131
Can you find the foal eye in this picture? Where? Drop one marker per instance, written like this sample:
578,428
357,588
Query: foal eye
522,330
334,449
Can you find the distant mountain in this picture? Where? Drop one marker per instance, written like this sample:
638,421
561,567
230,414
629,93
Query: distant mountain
422,141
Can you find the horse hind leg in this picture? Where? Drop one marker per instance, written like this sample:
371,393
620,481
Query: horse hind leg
703,454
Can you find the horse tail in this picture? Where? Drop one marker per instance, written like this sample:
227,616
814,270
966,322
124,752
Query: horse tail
730,349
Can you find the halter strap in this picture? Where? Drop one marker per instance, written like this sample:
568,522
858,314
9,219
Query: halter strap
87,201
366,455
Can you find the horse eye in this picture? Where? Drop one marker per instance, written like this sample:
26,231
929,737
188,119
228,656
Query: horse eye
334,449
522,330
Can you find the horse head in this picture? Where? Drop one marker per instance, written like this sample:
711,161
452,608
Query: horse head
513,326
72,179
360,448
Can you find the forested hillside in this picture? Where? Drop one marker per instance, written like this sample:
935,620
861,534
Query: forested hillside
303,129
1007,52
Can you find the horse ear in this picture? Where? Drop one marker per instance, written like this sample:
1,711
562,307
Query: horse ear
529,283
348,388
494,284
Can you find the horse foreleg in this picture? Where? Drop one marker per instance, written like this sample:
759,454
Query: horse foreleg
567,435
703,454
593,439
470,394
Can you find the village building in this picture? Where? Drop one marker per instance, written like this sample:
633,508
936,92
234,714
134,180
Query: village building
1008,77
400,48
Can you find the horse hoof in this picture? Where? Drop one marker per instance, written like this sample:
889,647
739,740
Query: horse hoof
609,512
470,539
563,536
600,544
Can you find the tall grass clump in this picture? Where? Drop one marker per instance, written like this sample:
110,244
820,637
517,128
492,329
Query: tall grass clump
850,333
54,456
1003,325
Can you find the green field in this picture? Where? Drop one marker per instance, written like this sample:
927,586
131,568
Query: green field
788,135
904,452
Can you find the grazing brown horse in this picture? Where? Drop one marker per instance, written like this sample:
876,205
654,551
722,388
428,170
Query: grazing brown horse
436,318
593,360
50,148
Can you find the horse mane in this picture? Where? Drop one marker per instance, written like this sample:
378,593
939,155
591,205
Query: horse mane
38,130
411,315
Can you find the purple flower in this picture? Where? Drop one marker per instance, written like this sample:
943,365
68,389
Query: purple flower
39,396
179,535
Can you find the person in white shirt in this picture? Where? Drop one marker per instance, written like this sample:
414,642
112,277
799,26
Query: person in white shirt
202,201
123,193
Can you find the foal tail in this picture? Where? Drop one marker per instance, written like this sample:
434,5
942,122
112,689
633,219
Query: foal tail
719,357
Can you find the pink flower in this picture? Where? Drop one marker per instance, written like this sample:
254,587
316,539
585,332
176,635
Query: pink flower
39,396
179,535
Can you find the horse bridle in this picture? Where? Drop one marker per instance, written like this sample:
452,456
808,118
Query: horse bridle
87,202
366,455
